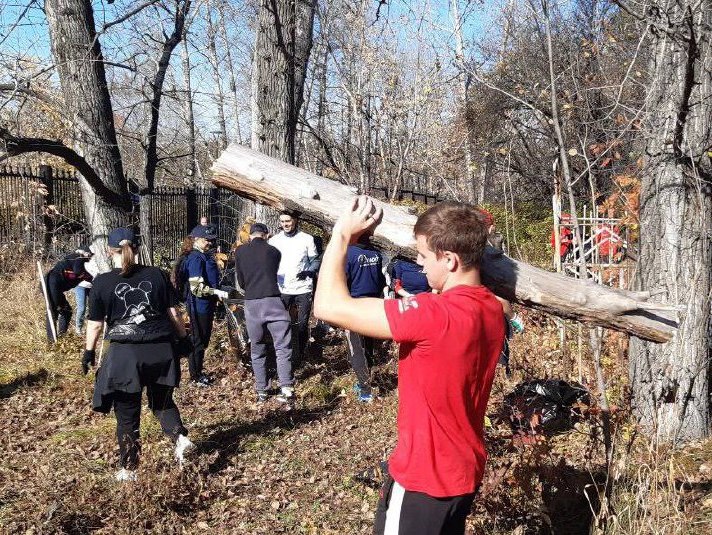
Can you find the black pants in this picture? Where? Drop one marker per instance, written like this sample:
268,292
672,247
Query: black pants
127,409
414,513
304,305
201,329
361,355
58,304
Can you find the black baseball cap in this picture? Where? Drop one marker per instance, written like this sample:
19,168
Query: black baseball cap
204,231
122,236
259,227
84,250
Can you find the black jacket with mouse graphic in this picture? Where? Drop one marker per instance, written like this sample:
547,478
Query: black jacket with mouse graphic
133,301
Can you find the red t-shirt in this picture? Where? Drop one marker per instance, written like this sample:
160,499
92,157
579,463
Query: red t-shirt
450,344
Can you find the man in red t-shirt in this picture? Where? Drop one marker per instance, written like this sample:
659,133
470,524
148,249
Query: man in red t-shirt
450,343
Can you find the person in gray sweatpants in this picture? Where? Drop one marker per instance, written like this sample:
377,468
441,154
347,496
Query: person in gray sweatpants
256,265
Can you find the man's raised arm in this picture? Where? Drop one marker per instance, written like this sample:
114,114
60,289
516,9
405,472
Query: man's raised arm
332,301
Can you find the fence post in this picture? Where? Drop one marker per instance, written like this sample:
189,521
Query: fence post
191,206
48,182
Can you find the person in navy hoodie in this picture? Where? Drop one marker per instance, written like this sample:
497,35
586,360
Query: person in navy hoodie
364,278
408,279
202,274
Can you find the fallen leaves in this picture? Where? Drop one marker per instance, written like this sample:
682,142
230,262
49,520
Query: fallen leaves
257,471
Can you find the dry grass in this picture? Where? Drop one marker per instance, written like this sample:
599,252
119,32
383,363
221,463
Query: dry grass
267,471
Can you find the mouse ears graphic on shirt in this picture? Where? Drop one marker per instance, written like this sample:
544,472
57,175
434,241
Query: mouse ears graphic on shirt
124,288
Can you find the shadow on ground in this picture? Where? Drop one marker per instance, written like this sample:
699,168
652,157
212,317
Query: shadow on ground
227,438
31,379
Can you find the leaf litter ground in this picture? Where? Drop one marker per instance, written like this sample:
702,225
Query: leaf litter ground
258,469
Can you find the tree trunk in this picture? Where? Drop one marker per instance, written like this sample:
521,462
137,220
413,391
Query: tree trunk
468,184
217,75
282,47
80,66
671,382
231,70
192,168
269,181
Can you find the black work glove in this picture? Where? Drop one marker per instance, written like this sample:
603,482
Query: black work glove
89,359
183,346
304,275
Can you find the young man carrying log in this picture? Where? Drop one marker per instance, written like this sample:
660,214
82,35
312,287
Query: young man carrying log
450,343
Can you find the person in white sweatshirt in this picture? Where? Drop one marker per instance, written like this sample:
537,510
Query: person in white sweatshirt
297,271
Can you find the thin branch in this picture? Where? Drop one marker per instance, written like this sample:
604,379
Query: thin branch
151,144
128,15
625,7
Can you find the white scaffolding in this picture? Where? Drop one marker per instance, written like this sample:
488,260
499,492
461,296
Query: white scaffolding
604,242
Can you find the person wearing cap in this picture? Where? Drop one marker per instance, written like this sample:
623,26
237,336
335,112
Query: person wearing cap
146,335
65,275
202,273
297,270
256,267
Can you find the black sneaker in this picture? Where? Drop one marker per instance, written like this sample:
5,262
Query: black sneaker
262,397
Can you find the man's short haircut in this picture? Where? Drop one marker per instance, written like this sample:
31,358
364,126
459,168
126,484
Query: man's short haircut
291,213
456,227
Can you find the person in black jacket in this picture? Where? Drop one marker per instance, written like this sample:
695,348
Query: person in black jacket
146,337
256,266
65,275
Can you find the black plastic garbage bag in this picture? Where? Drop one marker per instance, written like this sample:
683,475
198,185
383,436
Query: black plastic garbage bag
544,406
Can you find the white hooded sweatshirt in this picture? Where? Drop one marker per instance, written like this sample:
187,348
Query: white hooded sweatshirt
298,252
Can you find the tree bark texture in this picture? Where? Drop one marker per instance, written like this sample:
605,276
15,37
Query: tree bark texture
192,168
271,182
282,47
219,96
671,382
80,66
223,6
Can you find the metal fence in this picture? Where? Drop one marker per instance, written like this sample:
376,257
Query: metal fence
41,211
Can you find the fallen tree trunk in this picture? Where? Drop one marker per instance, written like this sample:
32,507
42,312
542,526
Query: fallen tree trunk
272,182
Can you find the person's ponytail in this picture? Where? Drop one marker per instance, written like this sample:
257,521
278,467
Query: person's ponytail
128,259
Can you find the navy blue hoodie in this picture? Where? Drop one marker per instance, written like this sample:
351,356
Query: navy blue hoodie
364,271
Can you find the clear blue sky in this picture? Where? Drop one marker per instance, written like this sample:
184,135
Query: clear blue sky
29,39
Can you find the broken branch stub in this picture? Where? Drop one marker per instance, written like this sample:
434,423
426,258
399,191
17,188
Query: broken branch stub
269,181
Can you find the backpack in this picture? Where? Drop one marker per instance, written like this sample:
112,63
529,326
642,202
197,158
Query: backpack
180,278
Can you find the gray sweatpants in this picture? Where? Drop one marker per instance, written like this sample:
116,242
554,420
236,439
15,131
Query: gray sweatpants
269,312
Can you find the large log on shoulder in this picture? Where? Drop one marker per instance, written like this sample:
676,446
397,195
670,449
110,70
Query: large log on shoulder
272,182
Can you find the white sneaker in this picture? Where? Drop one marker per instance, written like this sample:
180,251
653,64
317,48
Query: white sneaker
286,395
126,475
183,448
